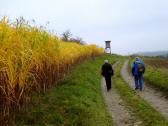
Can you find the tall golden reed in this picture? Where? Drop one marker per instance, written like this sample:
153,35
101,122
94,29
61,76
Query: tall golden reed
31,59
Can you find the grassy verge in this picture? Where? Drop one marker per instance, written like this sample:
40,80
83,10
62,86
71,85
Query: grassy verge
141,108
158,78
76,101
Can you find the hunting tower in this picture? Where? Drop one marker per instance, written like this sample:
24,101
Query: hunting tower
107,47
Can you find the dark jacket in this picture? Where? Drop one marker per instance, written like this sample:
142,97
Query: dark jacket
107,70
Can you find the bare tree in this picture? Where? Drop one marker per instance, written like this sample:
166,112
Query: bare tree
66,35
78,40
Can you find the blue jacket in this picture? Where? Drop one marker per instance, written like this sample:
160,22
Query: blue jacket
135,71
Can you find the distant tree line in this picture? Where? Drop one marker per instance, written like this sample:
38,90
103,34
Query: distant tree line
67,37
163,56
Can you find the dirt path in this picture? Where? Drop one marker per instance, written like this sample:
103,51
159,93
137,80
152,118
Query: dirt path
120,114
155,98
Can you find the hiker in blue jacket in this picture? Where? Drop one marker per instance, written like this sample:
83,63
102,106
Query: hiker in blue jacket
138,69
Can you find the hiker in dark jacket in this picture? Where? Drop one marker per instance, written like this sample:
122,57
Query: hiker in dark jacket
138,69
107,73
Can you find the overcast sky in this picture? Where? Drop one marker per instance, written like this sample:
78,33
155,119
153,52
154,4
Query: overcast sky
131,25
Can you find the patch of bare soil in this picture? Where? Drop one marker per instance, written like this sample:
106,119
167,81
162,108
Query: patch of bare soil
158,63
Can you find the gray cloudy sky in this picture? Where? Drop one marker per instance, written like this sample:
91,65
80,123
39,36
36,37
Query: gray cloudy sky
131,25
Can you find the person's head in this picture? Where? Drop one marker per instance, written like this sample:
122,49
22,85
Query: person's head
105,61
137,58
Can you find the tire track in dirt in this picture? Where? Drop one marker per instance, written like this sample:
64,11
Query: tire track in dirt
152,96
120,114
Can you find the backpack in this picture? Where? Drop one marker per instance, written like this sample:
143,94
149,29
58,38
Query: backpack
140,67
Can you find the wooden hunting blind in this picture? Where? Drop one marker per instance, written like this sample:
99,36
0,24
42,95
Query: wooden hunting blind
107,47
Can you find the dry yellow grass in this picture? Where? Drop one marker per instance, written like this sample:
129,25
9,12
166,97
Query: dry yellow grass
31,59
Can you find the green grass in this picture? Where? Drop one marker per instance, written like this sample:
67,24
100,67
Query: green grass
158,78
76,101
137,105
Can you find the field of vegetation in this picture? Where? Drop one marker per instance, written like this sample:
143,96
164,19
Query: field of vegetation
31,59
157,62
39,87
156,73
76,101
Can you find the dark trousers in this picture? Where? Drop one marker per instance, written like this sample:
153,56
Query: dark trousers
108,82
